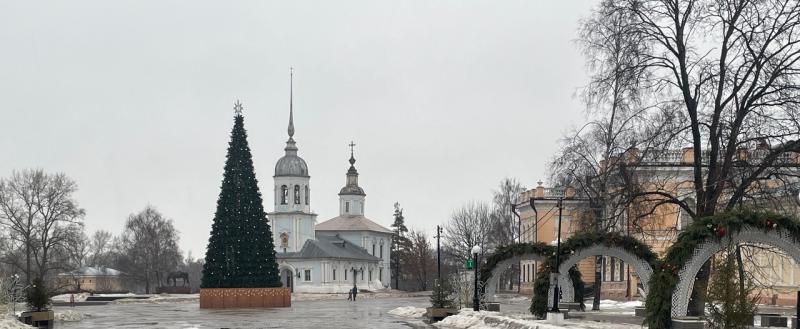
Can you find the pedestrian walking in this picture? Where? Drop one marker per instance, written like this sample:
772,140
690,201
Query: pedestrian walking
350,295
355,292
71,300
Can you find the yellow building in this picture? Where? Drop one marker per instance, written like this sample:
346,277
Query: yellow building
94,280
659,225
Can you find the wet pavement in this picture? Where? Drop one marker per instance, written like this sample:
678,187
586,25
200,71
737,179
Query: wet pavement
364,313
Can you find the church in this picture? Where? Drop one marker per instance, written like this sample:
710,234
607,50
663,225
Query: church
335,255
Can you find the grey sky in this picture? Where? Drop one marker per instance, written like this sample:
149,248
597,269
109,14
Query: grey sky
133,99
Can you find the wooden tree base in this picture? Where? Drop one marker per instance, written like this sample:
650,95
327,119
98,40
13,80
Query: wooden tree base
245,297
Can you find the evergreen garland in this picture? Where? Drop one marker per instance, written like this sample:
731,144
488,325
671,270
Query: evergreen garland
665,278
240,250
575,243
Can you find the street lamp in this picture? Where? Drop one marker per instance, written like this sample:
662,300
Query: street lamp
475,251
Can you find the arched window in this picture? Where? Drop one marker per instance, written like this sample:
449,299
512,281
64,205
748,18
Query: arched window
297,194
284,194
347,207
308,196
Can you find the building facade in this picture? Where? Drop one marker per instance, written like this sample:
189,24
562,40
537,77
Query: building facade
659,226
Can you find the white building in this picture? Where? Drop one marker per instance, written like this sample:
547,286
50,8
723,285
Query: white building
332,256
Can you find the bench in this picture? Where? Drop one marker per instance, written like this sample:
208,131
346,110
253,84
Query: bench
571,306
772,320
688,322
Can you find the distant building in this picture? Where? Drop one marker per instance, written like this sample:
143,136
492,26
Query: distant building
95,280
660,228
335,255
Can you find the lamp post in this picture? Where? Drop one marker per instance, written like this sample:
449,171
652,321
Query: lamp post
475,302
558,260
438,253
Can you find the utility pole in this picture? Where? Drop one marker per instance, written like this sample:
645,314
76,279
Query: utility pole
438,253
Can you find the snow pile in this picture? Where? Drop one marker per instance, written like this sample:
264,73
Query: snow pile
69,316
65,298
9,322
468,318
408,311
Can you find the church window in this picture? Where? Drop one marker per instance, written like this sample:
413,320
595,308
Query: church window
381,250
345,274
284,194
297,194
362,275
370,275
347,206
334,274
307,275
373,249
308,196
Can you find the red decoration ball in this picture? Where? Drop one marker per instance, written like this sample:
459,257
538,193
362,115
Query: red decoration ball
721,231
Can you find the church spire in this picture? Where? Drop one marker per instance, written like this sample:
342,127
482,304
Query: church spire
291,147
291,110
351,186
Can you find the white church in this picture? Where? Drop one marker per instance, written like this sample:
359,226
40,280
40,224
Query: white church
332,256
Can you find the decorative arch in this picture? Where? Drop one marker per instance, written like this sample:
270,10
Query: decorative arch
672,284
587,244
644,270
506,256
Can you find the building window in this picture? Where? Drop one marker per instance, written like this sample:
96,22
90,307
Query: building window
381,249
347,206
345,274
370,275
308,196
297,194
362,275
380,274
373,249
307,275
334,274
284,194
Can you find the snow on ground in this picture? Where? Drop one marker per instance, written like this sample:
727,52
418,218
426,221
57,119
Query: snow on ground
160,299
69,316
607,304
9,322
65,297
408,311
468,318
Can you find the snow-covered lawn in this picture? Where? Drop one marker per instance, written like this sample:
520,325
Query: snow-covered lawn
160,299
468,318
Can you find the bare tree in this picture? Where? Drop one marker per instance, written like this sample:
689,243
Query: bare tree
101,245
732,67
39,212
76,246
149,247
468,226
505,227
419,262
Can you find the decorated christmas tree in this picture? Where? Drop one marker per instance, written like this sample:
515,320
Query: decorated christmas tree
240,250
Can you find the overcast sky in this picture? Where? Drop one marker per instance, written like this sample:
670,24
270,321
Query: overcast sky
133,99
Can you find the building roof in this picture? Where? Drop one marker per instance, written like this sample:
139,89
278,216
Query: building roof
351,223
94,271
330,247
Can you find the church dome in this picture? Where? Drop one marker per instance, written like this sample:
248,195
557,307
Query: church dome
291,165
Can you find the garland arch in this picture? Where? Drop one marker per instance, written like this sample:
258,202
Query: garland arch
672,283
